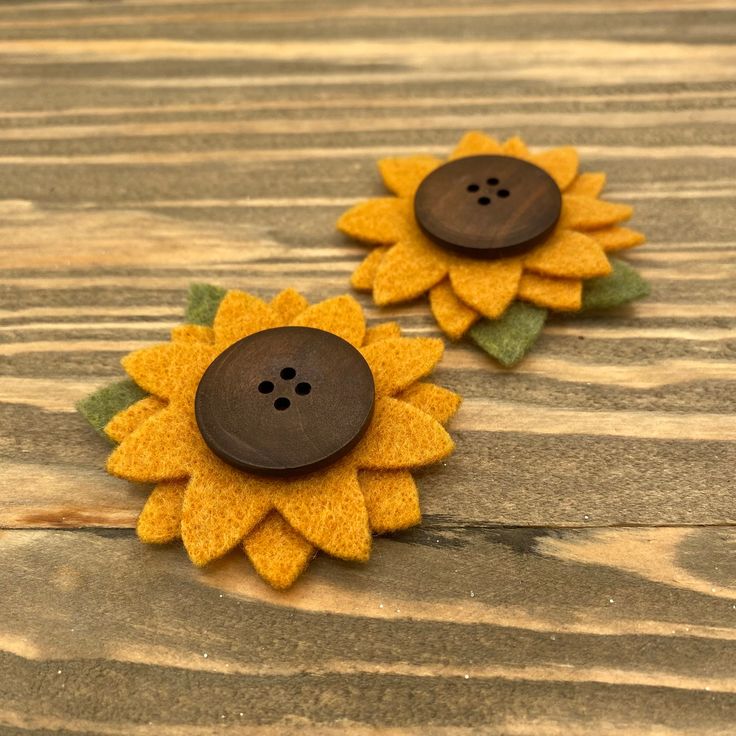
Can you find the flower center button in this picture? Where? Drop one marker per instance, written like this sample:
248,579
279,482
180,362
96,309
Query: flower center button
488,206
285,401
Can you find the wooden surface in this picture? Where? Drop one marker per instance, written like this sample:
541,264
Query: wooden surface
576,571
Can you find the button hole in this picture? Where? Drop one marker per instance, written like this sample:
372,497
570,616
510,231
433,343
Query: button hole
287,373
473,187
265,387
303,388
503,193
282,403
484,200
492,181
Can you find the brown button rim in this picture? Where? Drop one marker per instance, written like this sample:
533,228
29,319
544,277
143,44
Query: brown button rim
479,247
217,439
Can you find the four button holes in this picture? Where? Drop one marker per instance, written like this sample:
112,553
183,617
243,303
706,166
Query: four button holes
491,182
287,374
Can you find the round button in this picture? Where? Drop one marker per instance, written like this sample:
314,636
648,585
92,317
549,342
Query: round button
285,401
488,206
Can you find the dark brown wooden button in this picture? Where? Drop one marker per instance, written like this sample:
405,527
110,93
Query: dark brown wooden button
488,206
285,401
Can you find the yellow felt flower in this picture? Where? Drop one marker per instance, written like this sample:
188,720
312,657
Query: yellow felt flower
406,263
280,522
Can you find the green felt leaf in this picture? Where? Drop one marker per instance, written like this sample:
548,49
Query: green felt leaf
99,408
202,303
510,337
622,285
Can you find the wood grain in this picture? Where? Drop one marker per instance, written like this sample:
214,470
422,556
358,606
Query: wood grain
576,569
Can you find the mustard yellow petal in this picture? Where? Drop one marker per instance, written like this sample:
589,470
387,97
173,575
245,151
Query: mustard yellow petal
128,420
616,238
515,147
380,221
568,254
440,403
401,436
160,520
407,270
278,553
240,315
340,315
391,498
364,276
560,163
453,316
327,509
587,213
165,447
486,286
221,505
288,304
403,176
171,371
563,295
193,333
589,184
383,331
397,362
475,143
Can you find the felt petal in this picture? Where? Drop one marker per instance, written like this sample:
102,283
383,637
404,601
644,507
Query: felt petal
440,403
560,163
101,406
171,371
193,333
510,338
515,147
589,184
340,315
401,436
160,520
221,505
327,509
202,303
288,304
410,268
240,315
404,175
568,254
165,447
617,238
278,553
620,287
364,276
486,286
391,498
588,213
397,362
128,420
381,221
384,331
475,143
453,316
562,295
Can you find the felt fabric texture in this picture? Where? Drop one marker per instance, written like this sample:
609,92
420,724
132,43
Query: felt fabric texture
100,407
509,339
279,522
622,286
406,264
202,304
277,552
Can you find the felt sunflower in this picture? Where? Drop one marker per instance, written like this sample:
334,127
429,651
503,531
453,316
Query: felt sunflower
501,299
279,521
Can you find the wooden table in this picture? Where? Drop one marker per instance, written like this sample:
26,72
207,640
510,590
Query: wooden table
576,569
